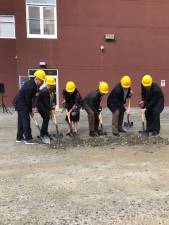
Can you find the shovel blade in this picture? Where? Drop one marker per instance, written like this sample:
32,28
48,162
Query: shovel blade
144,133
128,125
58,136
46,140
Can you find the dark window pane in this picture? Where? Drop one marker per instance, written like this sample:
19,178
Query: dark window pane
34,27
34,13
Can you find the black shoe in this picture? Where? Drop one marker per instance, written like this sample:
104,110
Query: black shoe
92,134
116,134
122,131
75,133
31,142
19,140
155,133
48,135
68,133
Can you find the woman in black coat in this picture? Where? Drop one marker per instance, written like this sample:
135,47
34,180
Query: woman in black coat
72,103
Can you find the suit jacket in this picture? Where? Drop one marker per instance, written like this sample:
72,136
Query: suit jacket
44,103
116,99
23,99
153,98
93,100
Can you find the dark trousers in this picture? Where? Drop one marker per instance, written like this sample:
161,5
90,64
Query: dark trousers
153,121
45,123
117,121
24,128
93,119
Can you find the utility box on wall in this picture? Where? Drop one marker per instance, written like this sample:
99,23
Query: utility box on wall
109,37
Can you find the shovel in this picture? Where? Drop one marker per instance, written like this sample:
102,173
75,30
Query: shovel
70,124
45,140
128,124
58,134
101,130
143,132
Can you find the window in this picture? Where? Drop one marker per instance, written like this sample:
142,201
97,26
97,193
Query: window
41,18
7,26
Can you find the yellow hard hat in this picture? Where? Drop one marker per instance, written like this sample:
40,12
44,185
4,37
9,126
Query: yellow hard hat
125,81
103,87
40,74
147,80
50,81
70,86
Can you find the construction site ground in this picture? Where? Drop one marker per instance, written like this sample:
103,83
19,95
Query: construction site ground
104,181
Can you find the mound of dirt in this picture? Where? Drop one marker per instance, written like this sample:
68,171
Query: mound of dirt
127,139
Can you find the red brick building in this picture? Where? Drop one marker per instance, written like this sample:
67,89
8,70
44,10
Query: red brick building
67,36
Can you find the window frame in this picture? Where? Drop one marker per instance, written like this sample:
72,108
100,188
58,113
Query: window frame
5,37
42,35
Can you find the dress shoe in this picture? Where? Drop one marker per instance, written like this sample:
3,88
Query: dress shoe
155,133
116,134
92,134
122,130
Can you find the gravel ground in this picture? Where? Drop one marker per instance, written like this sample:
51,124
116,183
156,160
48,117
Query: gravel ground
84,181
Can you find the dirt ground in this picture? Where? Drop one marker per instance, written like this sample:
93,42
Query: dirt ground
124,183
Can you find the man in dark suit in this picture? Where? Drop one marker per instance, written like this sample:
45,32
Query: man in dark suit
116,101
91,103
45,103
23,105
152,103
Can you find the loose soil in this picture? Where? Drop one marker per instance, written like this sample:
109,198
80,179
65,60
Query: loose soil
85,181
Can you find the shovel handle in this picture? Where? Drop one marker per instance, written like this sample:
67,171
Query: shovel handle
101,118
36,123
143,119
142,116
128,110
69,121
55,121
54,117
129,105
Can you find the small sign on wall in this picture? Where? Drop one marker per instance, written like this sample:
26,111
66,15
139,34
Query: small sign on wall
162,83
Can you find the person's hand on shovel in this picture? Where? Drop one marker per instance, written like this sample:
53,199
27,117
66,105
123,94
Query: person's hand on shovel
143,111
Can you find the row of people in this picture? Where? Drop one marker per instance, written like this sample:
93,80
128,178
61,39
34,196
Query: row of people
152,103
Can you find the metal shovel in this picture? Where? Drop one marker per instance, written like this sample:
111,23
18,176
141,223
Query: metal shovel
70,124
101,131
143,132
128,124
58,134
